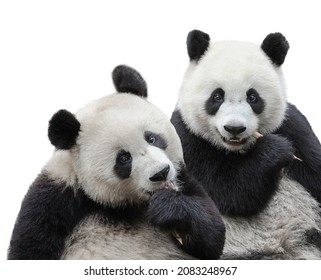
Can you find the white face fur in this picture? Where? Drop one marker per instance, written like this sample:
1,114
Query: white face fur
233,85
123,142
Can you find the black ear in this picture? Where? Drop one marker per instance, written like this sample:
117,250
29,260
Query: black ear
128,80
197,43
276,47
63,130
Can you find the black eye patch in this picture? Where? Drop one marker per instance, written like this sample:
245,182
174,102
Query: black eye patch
155,140
215,101
255,101
123,165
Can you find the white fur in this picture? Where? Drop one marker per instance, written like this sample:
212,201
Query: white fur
108,125
60,168
95,239
112,123
279,231
235,67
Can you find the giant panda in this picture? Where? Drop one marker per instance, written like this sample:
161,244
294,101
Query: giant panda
116,187
268,188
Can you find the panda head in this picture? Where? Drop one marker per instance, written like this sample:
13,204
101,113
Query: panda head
232,89
118,149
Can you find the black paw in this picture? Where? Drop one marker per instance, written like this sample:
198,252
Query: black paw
192,215
167,210
275,150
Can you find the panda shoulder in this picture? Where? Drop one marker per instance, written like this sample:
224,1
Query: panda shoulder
298,130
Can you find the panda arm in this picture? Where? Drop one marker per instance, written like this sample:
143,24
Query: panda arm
48,214
245,183
307,147
241,184
192,214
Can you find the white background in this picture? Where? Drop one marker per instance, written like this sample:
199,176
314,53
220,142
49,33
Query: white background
60,54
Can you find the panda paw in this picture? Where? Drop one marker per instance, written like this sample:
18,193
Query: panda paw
191,215
275,150
166,210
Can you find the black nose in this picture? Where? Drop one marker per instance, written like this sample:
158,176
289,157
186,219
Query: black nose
161,175
234,130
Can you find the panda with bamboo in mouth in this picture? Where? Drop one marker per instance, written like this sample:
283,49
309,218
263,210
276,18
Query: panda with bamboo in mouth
254,152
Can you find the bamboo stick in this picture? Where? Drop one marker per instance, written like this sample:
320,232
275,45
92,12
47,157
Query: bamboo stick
258,135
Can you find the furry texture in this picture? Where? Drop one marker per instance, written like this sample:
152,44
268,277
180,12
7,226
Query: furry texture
190,214
239,184
126,79
272,221
48,214
281,231
270,202
307,147
276,47
91,199
197,43
97,237
239,69
119,123
63,130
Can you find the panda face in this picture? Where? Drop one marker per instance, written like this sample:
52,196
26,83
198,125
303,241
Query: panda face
232,91
126,150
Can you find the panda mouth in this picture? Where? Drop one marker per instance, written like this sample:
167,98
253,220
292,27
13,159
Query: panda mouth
165,185
234,141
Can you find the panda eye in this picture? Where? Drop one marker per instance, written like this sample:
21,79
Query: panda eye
155,140
255,101
123,164
151,139
218,95
252,96
124,157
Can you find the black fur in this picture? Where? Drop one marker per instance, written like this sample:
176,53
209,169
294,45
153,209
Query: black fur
276,47
123,164
128,80
50,211
313,237
307,147
239,184
197,43
256,102
48,214
192,215
215,101
63,130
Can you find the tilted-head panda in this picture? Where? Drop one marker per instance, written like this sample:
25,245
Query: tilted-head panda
269,202
116,187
